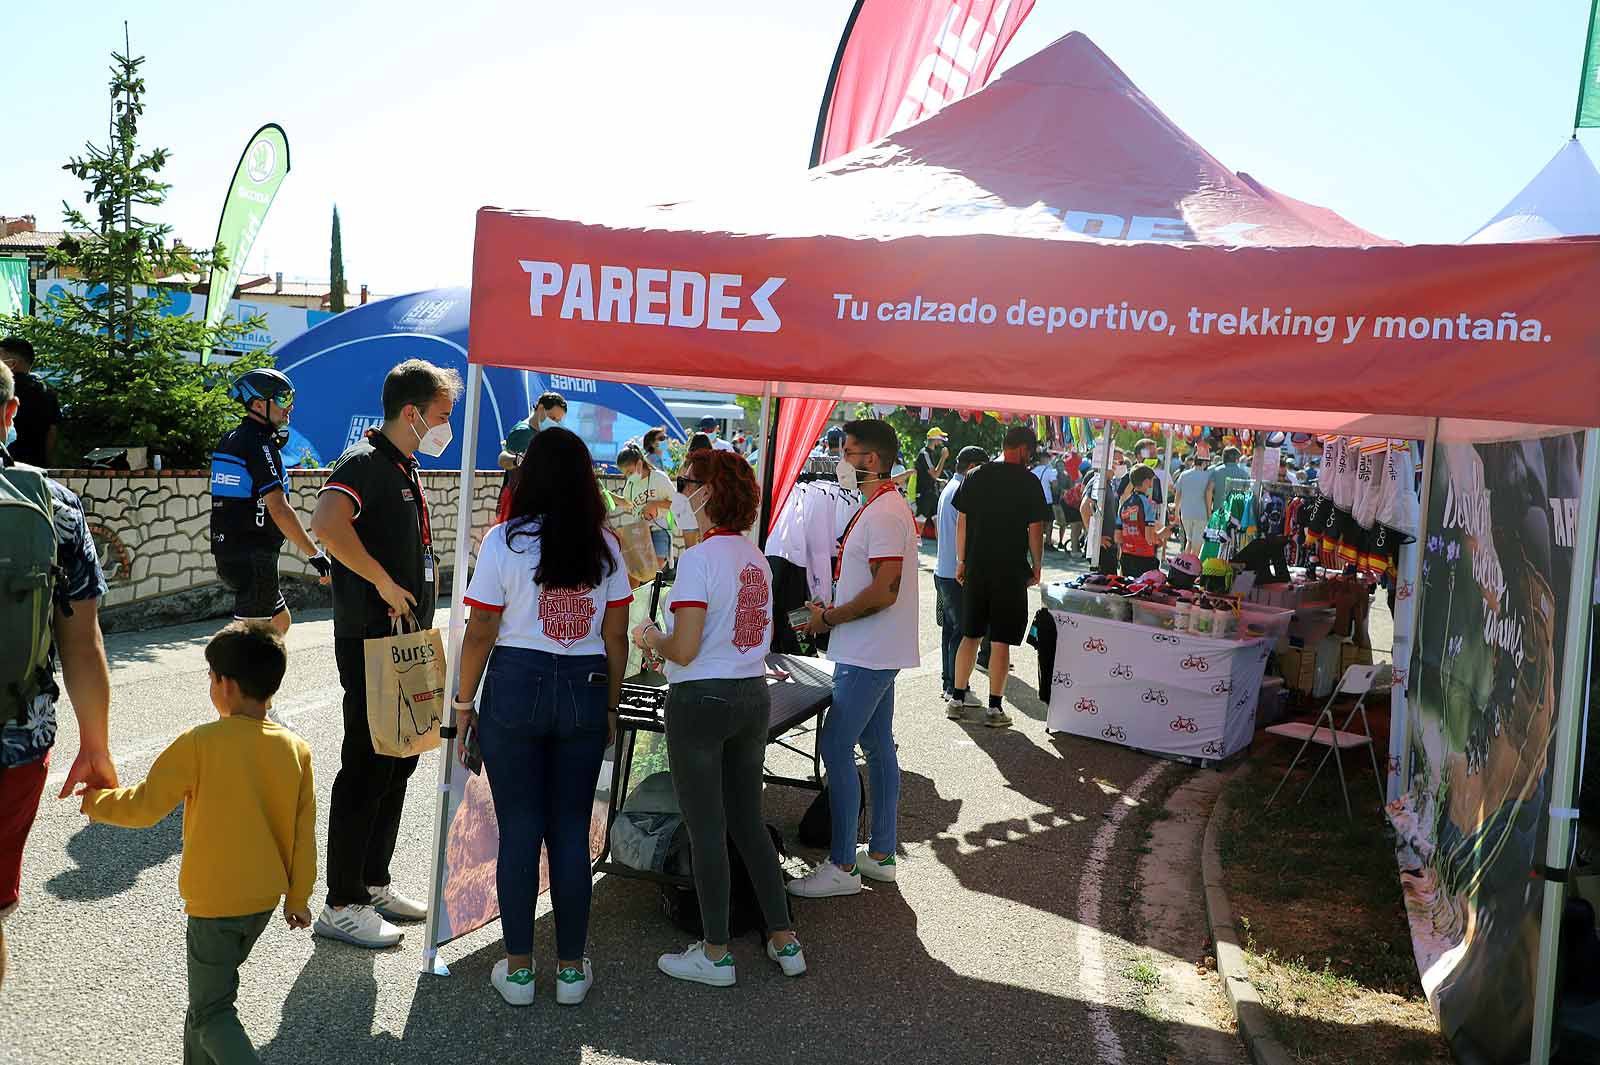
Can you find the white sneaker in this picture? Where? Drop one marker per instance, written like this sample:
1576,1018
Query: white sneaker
516,988
572,987
826,881
395,906
872,869
956,709
789,958
694,966
996,718
361,925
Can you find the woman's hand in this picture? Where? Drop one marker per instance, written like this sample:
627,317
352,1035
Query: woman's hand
466,722
639,632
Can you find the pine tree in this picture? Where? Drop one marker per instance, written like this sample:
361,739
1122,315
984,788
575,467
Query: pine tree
336,268
123,362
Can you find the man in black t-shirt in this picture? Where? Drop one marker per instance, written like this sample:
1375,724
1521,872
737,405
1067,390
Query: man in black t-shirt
38,410
374,518
999,556
250,511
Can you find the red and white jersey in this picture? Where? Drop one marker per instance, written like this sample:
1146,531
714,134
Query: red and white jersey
727,576
882,530
563,621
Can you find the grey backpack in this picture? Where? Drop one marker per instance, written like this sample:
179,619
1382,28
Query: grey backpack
27,587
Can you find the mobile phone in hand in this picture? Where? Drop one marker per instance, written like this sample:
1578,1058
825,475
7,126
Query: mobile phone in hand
471,753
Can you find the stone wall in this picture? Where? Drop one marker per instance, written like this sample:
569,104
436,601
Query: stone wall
151,531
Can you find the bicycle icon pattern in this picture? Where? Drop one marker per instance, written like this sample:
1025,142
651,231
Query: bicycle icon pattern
1088,706
1122,671
1095,645
1155,695
1114,732
1183,724
1062,679
1197,662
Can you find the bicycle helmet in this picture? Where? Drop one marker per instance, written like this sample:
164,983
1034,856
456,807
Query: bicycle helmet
265,383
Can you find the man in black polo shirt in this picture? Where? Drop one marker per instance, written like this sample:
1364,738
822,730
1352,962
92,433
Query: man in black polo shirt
999,555
373,517
250,511
39,412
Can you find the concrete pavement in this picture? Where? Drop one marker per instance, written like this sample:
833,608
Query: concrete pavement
1012,935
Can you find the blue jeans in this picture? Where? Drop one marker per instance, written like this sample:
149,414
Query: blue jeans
542,727
661,540
948,590
862,711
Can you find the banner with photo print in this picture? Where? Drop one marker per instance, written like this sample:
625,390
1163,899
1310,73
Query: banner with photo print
1497,559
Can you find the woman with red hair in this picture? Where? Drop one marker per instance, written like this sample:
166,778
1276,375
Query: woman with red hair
720,627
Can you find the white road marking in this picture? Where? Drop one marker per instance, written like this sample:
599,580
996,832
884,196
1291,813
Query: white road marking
1091,960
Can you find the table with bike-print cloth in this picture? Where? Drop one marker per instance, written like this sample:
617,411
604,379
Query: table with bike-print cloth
1174,694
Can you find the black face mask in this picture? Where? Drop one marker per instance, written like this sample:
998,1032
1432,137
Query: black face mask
280,437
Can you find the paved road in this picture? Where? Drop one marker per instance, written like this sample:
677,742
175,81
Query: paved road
1012,936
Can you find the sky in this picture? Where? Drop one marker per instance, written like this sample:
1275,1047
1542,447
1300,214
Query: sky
1417,121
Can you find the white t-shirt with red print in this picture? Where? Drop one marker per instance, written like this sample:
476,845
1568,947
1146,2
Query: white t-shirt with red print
728,576
882,530
563,621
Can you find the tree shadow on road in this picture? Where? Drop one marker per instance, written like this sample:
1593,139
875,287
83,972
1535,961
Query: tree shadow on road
110,859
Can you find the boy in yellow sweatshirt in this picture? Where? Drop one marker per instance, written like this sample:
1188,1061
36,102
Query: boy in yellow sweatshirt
249,823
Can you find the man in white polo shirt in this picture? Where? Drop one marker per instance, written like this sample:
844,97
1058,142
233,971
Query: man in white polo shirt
874,625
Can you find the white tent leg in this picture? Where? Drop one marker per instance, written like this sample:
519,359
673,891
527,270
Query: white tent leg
1168,492
1569,741
1408,626
1102,490
766,428
458,627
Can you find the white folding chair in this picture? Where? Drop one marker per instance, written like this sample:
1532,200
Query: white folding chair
1357,681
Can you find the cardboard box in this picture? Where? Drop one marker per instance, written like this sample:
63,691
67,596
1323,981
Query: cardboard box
1299,669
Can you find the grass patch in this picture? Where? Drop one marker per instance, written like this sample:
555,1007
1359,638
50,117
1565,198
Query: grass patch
1145,977
1322,921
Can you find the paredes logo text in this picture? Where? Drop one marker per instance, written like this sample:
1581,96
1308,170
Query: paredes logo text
681,299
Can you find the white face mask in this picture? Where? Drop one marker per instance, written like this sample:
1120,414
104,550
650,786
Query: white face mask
847,475
433,442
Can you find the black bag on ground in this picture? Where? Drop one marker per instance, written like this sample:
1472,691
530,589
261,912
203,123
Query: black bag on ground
816,826
682,904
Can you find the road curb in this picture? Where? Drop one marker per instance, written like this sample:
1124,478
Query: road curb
1255,1023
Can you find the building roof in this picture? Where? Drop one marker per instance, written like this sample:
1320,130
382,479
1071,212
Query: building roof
32,239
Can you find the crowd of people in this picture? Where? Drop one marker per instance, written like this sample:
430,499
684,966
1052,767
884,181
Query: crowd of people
540,677
542,663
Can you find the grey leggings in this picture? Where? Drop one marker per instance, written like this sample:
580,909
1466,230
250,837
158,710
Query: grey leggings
717,742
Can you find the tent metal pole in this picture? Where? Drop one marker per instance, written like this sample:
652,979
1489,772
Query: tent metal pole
1102,489
1168,492
1569,742
769,450
458,628
1400,711
764,456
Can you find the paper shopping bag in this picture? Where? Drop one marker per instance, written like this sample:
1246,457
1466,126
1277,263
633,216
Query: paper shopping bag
405,690
638,552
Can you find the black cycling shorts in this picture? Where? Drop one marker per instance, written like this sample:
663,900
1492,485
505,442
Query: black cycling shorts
995,607
252,577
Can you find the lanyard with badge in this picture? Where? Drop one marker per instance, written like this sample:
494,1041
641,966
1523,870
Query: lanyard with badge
424,525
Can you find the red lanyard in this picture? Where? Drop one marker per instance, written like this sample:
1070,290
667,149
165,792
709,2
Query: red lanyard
423,521
845,539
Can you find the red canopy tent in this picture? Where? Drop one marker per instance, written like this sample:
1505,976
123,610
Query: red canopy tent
1010,199
1051,244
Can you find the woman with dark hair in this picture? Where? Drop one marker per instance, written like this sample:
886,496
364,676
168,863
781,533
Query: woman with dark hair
720,613
549,621
655,449
648,493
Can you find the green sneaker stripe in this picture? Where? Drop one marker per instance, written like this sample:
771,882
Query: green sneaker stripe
569,975
725,961
789,951
521,976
